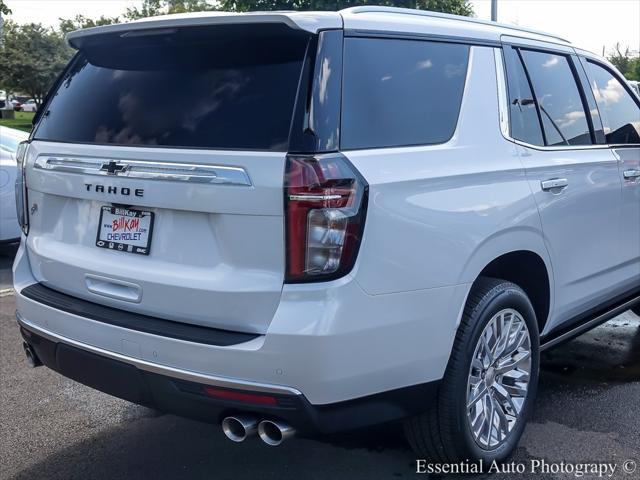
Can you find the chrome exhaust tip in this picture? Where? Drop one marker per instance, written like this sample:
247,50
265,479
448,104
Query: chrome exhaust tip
32,358
274,432
239,427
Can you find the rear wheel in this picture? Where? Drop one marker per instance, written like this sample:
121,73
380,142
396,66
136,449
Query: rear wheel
490,384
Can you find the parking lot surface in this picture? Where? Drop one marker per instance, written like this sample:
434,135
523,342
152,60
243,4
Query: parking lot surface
588,410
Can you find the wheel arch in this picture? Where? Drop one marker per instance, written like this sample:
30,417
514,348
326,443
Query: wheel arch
519,257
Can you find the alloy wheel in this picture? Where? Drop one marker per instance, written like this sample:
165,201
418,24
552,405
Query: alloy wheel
499,379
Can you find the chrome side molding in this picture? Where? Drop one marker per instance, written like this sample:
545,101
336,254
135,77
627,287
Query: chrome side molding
175,172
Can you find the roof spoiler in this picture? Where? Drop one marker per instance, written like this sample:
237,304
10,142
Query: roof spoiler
304,21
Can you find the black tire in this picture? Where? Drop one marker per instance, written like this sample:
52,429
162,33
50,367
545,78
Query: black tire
442,434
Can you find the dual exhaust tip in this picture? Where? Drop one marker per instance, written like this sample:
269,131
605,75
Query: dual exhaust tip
32,357
272,432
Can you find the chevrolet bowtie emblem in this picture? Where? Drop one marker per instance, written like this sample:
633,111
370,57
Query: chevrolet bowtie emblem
113,167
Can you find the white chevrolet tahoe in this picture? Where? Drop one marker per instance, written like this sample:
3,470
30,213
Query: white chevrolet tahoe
313,222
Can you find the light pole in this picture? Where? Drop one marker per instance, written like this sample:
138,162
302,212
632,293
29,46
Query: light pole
494,10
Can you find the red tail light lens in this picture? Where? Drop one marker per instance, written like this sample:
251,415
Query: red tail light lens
325,204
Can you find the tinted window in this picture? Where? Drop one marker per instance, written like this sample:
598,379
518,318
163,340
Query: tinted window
523,114
561,108
401,92
620,113
226,87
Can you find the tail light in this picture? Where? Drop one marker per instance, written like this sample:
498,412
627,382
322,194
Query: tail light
325,205
21,187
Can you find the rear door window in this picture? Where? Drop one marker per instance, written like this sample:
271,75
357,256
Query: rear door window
225,87
558,98
619,111
401,92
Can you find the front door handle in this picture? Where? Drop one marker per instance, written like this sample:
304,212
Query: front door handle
631,174
554,183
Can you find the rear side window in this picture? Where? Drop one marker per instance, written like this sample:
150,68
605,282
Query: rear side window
619,112
401,92
228,87
558,99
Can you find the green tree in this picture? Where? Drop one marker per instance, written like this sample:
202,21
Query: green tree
634,73
152,8
458,7
67,25
4,10
31,58
161,7
621,59
624,61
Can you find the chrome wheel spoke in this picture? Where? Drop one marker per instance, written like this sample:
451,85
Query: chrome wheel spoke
477,366
503,422
488,415
512,363
513,376
506,398
516,390
504,334
477,396
488,356
519,337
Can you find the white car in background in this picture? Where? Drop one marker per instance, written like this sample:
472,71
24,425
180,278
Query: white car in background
30,106
9,139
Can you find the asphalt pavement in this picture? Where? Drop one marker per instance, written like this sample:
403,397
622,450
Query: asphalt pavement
588,410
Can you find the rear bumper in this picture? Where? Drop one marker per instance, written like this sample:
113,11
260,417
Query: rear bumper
180,393
328,344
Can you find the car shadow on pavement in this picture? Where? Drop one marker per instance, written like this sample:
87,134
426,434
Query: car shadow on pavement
7,254
170,447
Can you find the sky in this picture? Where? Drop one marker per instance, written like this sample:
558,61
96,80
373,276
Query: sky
589,24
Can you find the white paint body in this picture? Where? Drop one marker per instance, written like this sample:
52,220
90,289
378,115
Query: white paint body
437,215
9,228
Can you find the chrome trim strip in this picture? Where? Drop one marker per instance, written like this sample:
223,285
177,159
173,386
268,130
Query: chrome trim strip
175,172
173,372
576,147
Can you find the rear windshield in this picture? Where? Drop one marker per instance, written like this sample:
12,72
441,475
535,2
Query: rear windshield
224,87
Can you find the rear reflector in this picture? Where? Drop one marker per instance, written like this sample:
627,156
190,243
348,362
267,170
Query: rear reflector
253,398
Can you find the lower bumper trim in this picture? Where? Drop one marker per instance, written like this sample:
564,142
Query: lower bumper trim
184,393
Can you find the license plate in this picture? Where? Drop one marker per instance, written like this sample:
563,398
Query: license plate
125,230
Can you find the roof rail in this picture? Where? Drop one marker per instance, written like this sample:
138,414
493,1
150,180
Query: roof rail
448,16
